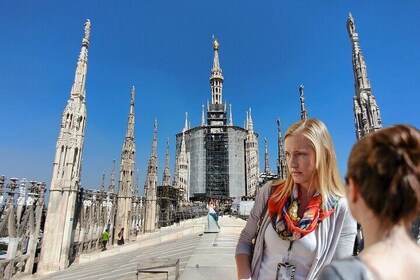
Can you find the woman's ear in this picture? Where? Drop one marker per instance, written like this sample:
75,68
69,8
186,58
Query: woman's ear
353,192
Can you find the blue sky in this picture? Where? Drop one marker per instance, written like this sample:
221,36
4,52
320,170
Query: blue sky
164,49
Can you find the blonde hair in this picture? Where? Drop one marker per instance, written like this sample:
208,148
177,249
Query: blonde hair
326,169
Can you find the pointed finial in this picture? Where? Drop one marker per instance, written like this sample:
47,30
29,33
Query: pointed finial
250,122
303,113
137,190
203,122
133,90
112,178
87,29
279,127
215,43
351,28
103,182
230,115
186,122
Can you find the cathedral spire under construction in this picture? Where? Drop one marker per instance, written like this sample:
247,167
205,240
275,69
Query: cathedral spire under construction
216,77
367,116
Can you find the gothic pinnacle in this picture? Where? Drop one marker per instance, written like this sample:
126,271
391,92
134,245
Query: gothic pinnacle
216,77
367,116
203,123
112,178
166,180
186,122
281,161
303,113
78,88
230,115
267,161
130,124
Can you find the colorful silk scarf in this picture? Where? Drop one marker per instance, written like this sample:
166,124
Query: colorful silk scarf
285,220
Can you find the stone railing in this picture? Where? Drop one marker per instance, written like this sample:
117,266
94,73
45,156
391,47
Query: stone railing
20,225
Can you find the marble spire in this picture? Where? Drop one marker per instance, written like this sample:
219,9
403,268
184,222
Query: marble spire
112,178
203,120
216,77
230,115
126,180
150,185
166,179
281,161
303,113
267,169
367,116
65,183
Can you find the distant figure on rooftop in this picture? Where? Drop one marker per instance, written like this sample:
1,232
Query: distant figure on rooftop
105,237
121,237
383,191
212,212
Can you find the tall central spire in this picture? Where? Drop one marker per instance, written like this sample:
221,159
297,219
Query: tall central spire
216,78
367,116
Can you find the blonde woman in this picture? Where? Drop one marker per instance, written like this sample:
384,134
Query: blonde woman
383,191
304,220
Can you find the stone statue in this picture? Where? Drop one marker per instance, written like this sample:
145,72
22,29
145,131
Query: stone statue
87,29
215,43
350,25
301,92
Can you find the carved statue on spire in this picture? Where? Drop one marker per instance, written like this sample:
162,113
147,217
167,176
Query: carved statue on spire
301,92
350,25
133,89
215,43
87,29
303,113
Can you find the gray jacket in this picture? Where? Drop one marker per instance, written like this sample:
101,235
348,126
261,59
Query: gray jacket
335,235
347,269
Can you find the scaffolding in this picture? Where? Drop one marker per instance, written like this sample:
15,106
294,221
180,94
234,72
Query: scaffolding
216,157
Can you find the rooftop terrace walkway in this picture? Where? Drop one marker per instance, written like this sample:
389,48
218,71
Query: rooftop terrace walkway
201,255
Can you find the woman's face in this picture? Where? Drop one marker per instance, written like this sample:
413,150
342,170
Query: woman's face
300,158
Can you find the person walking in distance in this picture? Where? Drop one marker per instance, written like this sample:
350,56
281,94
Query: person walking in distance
105,237
121,237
